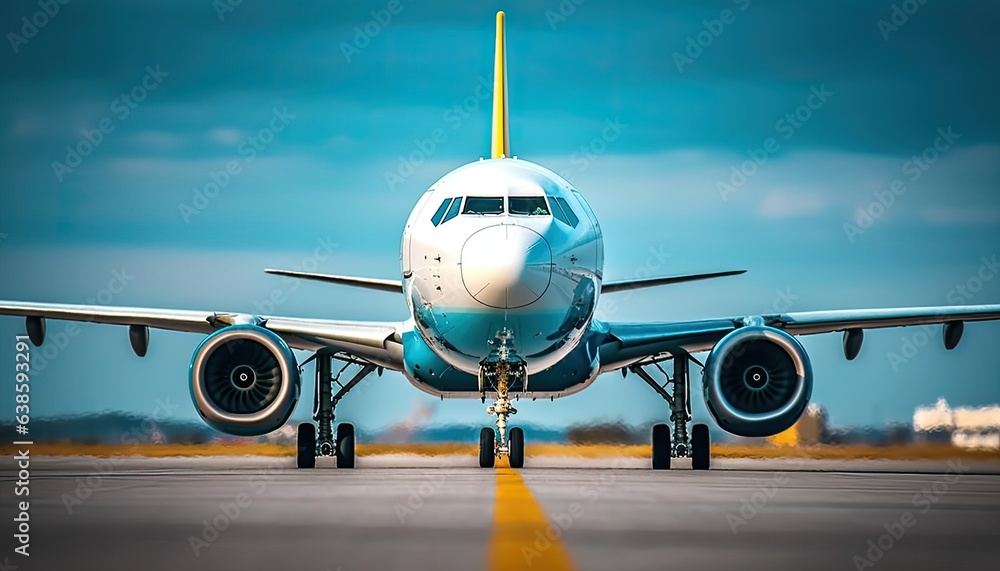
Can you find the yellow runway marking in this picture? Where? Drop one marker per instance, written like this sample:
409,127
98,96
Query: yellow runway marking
523,537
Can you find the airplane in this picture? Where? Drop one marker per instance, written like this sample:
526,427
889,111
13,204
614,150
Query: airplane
502,269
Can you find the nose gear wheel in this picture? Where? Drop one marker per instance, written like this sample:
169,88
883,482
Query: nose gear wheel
501,372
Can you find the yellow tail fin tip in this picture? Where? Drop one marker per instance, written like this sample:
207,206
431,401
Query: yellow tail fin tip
500,141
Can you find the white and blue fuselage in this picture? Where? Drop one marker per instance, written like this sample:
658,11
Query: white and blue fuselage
501,247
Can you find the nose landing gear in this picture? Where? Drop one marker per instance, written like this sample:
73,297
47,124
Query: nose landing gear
503,370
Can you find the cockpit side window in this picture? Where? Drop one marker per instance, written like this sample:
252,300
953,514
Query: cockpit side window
527,205
453,210
557,211
436,219
563,212
483,205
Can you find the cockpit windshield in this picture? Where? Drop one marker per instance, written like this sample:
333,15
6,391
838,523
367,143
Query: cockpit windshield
453,210
563,212
527,205
483,205
436,219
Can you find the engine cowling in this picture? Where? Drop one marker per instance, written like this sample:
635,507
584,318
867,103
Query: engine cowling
757,381
244,380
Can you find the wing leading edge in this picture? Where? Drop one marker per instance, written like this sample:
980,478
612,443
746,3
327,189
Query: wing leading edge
627,343
368,283
377,341
614,287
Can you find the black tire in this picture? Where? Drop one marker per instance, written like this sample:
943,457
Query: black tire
306,446
701,447
515,453
661,447
345,445
487,447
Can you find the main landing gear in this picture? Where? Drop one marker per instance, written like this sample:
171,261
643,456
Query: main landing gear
671,440
502,371
310,445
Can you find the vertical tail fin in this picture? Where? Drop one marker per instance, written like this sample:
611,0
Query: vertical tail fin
500,142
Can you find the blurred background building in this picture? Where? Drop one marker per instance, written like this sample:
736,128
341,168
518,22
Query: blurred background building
811,429
966,427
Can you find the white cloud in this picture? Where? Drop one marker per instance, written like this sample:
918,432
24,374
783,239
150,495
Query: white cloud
225,136
791,203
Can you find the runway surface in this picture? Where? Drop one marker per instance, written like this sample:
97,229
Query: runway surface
444,513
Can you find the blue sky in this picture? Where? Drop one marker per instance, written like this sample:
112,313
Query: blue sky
694,92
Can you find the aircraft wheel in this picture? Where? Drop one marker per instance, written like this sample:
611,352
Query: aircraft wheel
516,447
345,445
701,449
306,446
661,447
487,447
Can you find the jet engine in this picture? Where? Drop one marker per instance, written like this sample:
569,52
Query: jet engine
244,380
757,381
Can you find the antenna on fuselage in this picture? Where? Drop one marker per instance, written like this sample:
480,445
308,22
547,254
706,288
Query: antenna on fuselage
500,141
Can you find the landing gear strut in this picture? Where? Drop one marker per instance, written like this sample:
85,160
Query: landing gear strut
318,439
503,370
672,441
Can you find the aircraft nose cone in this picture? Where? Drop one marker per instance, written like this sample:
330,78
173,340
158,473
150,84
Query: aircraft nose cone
506,266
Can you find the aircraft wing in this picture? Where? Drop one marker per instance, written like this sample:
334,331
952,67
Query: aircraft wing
379,342
615,287
627,343
369,283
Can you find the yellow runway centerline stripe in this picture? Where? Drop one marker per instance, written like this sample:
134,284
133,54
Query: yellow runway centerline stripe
523,537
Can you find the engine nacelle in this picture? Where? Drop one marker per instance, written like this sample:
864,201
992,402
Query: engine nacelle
244,380
757,381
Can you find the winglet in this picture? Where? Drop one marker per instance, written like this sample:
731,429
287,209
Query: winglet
500,142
